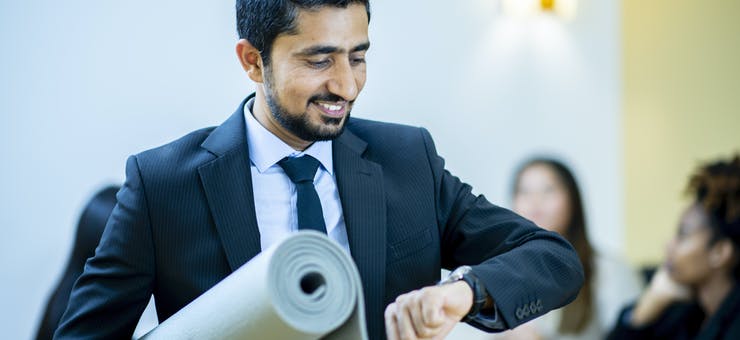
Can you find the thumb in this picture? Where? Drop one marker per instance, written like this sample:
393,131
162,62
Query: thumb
458,299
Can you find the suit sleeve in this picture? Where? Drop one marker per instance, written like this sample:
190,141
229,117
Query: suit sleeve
109,297
527,270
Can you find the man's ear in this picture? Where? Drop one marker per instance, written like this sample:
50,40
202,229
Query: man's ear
251,60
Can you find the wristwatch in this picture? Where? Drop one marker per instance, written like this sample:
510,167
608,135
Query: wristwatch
480,295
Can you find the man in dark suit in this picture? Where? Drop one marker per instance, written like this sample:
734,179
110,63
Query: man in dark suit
194,210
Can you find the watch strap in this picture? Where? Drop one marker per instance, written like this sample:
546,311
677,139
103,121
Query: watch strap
480,295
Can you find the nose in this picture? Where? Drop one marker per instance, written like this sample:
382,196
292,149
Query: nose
343,81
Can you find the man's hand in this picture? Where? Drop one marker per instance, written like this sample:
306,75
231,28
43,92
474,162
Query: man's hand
428,313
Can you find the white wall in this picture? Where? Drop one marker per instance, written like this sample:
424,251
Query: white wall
494,90
83,84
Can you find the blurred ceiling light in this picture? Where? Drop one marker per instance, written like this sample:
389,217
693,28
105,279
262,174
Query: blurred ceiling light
525,8
547,5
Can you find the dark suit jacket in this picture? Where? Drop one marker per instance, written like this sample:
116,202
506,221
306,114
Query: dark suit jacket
185,219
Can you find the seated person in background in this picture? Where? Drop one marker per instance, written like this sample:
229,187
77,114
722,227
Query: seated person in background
546,192
89,229
695,294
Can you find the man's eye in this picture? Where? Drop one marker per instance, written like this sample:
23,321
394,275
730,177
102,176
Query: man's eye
357,61
319,63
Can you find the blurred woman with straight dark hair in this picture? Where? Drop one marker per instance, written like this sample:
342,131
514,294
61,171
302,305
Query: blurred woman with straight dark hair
546,192
695,293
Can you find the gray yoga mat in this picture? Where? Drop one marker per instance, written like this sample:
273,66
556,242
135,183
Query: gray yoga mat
305,287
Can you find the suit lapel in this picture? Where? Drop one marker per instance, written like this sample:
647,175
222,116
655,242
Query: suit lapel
360,185
227,182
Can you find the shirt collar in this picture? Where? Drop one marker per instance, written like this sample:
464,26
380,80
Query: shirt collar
266,149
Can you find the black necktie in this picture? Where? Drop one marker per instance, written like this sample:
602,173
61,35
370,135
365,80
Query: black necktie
301,170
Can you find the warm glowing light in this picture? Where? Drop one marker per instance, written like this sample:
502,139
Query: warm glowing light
547,5
519,8
527,8
565,8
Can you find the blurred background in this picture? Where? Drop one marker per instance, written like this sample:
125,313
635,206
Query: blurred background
631,94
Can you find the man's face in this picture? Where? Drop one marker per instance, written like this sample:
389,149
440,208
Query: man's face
314,76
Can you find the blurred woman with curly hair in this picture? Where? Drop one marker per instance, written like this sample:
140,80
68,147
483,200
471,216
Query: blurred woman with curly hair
695,294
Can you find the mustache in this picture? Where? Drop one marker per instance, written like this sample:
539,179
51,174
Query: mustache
328,97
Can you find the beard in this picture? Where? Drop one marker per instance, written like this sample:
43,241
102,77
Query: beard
299,124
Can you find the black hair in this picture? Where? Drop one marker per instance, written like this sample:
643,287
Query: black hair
716,188
261,21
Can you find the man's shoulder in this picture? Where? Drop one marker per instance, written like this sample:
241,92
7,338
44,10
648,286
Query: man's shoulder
200,144
372,130
389,142
368,124
178,151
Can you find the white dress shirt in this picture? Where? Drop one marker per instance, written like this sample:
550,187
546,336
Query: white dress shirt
275,194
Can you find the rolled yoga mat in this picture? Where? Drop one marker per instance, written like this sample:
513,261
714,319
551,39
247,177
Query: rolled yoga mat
305,287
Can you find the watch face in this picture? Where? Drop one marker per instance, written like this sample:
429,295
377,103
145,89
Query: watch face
456,275
460,271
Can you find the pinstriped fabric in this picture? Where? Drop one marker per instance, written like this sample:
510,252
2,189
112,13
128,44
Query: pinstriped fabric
185,236
434,220
360,186
186,219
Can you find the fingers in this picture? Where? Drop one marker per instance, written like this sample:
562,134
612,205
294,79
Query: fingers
391,326
417,315
444,331
432,311
415,311
404,316
398,320
665,286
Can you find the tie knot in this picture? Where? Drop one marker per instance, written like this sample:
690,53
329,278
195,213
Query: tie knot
300,169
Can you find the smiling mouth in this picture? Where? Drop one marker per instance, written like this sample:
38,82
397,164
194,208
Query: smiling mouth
332,109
